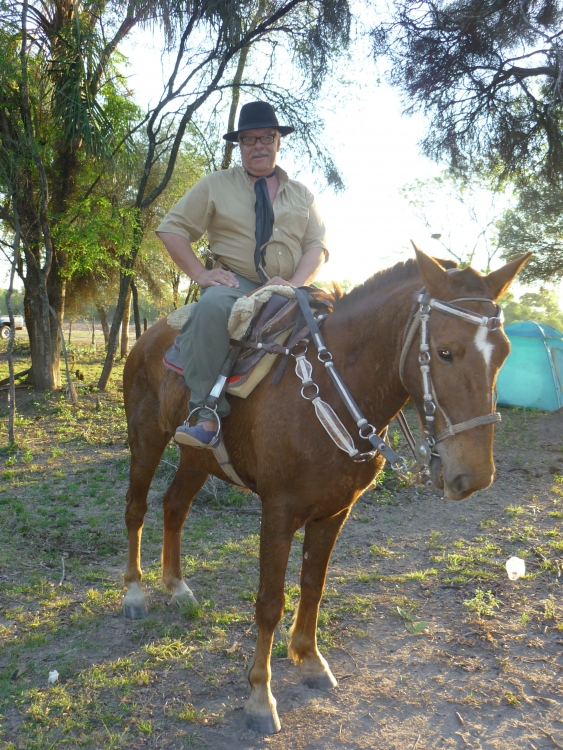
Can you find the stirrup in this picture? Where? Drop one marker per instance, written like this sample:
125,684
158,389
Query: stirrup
217,436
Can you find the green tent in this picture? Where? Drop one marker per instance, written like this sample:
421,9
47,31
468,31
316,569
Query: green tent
533,373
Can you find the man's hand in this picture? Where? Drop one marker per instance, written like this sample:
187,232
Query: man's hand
277,281
216,277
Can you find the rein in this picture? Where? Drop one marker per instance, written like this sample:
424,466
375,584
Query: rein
424,452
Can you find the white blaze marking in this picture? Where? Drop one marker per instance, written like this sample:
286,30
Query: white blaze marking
484,346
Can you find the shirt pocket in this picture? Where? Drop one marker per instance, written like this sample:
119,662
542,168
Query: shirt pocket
280,261
291,219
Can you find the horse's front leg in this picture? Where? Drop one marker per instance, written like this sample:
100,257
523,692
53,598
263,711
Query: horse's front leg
320,537
176,504
276,534
146,451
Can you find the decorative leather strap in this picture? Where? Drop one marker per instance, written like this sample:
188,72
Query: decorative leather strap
222,458
269,348
324,356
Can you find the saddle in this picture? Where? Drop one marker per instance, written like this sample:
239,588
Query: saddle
270,329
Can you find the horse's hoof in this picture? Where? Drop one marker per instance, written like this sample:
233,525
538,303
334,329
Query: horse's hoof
134,610
182,595
263,722
183,599
320,681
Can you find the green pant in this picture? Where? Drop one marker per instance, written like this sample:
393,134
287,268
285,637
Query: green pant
204,342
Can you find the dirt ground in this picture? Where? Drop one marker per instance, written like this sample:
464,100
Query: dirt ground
432,645
461,683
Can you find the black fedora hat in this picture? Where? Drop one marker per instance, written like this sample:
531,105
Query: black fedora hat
257,115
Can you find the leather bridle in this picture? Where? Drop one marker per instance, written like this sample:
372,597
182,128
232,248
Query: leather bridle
424,451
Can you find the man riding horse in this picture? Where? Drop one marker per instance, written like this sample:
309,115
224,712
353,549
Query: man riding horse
263,229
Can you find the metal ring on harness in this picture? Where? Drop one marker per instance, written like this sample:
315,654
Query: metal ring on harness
429,408
314,395
297,353
371,431
361,458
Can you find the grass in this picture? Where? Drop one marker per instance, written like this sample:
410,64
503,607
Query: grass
62,496
483,604
62,490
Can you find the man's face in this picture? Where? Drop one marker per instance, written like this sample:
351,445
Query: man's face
260,158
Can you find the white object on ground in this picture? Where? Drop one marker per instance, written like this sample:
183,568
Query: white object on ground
53,677
516,568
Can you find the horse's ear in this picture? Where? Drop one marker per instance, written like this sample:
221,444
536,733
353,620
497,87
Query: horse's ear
433,274
502,278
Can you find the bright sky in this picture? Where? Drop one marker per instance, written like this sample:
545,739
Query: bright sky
369,226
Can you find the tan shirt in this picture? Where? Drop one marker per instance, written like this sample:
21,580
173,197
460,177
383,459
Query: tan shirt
222,203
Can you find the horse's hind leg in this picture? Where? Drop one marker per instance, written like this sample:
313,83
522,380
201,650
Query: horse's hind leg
320,537
146,450
176,503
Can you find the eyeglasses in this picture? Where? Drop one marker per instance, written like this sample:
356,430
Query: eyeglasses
250,140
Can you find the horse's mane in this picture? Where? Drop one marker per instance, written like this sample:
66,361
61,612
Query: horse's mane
402,271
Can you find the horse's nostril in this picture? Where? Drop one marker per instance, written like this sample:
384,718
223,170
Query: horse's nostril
461,483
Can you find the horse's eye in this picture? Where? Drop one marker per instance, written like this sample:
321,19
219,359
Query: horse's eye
445,354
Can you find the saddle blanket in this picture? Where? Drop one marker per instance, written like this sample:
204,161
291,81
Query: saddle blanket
244,311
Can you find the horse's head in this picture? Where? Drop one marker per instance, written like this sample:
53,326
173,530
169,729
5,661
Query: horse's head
464,359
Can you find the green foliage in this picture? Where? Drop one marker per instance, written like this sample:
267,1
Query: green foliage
542,306
74,52
17,302
416,627
483,603
488,77
535,223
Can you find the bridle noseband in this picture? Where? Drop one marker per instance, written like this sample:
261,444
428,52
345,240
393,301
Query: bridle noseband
425,451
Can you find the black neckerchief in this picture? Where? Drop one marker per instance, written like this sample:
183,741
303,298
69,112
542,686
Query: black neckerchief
264,222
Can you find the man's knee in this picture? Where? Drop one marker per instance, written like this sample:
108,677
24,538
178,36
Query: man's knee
215,305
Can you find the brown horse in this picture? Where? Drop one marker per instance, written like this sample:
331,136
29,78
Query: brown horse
280,450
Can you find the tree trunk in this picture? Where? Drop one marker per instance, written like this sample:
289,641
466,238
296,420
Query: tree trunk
193,293
9,353
229,147
69,331
103,321
125,325
124,284
38,273
136,313
175,289
37,314
56,289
